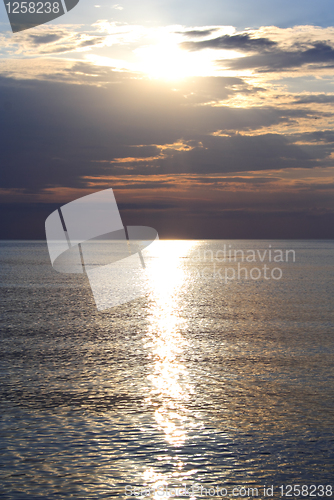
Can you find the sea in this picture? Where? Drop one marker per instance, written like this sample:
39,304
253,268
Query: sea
218,382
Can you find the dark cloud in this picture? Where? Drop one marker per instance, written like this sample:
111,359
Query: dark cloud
281,60
51,40
323,135
92,41
146,184
235,179
243,42
320,98
48,38
267,55
147,206
84,131
244,153
198,33
318,136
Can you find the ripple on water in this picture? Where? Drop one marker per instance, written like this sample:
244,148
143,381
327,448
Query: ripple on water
197,382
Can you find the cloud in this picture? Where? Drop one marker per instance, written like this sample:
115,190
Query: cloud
199,33
319,98
140,127
229,141
243,42
319,136
49,40
320,54
270,49
61,70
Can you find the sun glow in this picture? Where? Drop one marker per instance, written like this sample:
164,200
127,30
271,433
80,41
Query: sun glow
167,61
160,52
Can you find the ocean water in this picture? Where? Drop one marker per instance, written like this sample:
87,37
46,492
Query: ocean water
210,380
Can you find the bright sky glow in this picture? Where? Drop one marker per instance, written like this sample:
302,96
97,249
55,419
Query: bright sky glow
156,52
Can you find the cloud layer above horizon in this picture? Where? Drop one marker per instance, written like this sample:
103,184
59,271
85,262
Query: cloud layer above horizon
183,118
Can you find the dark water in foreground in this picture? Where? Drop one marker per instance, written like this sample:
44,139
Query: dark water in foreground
201,382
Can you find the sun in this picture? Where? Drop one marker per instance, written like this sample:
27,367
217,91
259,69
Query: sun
164,59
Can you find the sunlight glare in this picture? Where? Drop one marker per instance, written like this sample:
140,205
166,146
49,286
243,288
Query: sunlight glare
164,340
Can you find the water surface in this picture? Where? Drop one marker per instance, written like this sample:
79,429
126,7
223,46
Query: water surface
200,381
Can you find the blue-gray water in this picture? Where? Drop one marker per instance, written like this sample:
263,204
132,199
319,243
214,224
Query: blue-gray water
201,381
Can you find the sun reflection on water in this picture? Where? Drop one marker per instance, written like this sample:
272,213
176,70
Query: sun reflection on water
169,383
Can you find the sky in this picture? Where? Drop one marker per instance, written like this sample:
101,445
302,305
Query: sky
208,119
